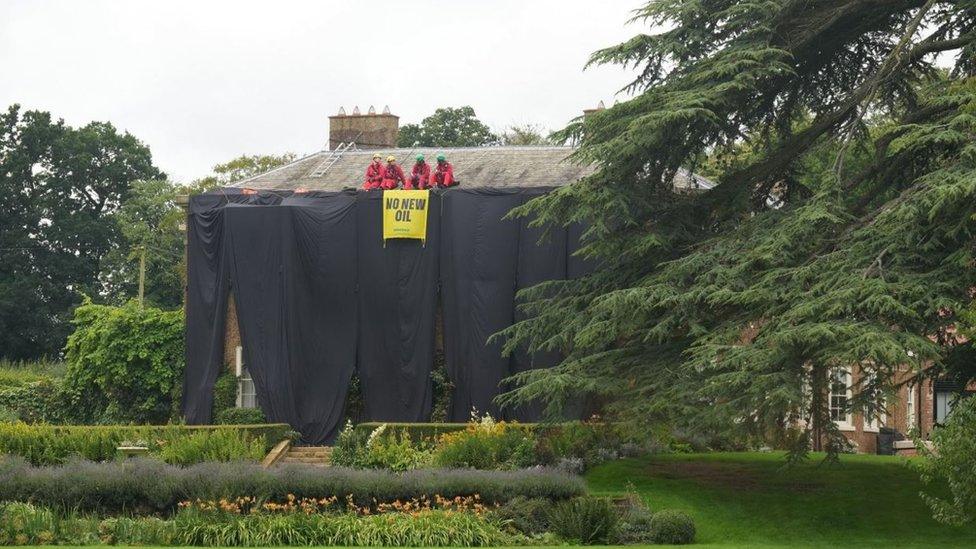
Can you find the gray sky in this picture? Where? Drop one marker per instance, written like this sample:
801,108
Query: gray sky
202,82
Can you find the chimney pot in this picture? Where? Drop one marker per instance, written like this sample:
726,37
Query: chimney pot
342,111
386,109
367,132
601,106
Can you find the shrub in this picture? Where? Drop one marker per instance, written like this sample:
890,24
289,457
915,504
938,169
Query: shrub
126,361
49,445
152,486
383,448
953,464
587,520
672,527
591,442
635,522
224,394
45,401
350,447
418,432
487,444
215,445
529,516
25,524
240,416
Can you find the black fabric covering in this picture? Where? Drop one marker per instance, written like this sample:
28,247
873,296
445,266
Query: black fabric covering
318,293
398,304
479,253
539,260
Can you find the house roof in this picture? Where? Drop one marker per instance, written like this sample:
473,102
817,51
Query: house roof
543,166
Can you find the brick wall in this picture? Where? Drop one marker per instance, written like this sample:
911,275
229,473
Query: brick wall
232,335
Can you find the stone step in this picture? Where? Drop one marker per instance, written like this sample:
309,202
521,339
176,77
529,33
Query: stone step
308,455
294,459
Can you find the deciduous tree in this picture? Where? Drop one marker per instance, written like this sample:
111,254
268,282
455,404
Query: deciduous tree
59,187
447,127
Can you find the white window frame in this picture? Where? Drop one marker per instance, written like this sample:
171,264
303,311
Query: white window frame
844,424
910,419
246,393
943,400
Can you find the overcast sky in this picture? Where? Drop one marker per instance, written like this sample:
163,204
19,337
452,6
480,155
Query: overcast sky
201,82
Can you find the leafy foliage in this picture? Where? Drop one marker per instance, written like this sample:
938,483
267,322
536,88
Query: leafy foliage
150,221
953,464
672,528
240,416
447,127
841,235
53,445
382,448
24,524
60,187
523,135
127,361
239,168
487,444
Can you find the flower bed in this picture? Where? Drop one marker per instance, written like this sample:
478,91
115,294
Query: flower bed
150,486
482,443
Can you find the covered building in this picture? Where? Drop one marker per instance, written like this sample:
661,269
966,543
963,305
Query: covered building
291,283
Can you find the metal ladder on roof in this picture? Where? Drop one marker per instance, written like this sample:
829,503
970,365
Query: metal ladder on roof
330,160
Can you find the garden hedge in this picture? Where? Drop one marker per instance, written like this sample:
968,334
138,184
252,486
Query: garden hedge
54,444
146,485
422,431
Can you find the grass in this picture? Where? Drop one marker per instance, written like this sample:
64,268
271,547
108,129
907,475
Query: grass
750,500
16,373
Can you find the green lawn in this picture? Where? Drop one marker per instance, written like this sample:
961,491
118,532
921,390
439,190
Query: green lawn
749,500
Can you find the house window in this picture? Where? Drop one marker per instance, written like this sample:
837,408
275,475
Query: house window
910,407
873,421
246,394
943,404
840,394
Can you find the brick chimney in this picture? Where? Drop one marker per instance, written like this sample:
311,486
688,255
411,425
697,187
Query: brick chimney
367,131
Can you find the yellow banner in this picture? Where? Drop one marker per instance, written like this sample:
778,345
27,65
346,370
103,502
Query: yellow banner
405,214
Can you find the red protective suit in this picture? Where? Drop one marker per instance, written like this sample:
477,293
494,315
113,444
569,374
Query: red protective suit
443,175
392,176
374,176
419,176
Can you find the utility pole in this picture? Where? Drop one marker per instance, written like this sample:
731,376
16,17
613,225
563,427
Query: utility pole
142,274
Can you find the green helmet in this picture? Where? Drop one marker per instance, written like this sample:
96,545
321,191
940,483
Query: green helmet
441,158
420,158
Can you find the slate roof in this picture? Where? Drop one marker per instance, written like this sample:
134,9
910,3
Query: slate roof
543,166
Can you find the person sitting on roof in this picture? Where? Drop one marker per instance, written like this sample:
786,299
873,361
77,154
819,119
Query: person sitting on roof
443,175
374,173
393,176
419,175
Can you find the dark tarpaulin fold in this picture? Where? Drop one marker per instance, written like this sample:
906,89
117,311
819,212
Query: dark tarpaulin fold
539,260
479,252
207,288
293,272
398,283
